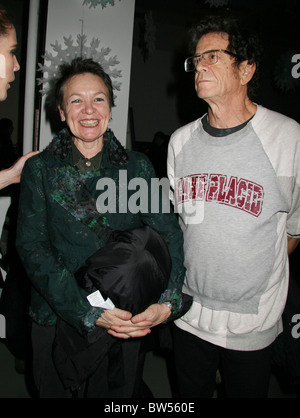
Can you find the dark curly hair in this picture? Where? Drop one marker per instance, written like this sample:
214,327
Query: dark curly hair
80,66
241,41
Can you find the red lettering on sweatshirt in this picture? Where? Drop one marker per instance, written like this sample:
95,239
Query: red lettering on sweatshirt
238,193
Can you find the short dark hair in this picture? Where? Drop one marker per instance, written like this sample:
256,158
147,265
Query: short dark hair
243,42
5,22
81,66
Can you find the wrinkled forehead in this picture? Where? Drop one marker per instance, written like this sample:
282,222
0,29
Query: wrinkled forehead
84,81
212,40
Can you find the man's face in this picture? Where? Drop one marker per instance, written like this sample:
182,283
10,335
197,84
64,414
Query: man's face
220,81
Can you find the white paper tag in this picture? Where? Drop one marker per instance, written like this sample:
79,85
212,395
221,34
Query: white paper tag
96,300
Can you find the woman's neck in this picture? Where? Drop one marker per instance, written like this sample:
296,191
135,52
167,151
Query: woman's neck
89,148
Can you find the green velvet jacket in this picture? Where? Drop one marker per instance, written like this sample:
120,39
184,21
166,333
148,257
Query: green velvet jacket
59,227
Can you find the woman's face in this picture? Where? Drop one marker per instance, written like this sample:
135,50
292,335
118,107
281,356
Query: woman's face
8,61
86,107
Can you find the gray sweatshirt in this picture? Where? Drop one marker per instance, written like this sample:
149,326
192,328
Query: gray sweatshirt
237,194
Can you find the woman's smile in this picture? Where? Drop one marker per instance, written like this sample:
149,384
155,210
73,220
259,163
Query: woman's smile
89,123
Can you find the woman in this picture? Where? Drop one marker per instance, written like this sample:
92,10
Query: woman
8,65
13,304
60,227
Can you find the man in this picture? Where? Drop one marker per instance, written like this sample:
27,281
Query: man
235,174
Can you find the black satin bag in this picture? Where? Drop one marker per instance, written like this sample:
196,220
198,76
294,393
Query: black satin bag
132,270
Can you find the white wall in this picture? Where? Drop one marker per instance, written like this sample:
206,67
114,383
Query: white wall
113,26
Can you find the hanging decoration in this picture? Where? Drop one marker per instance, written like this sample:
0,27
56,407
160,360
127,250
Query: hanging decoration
282,76
149,38
217,3
95,3
79,49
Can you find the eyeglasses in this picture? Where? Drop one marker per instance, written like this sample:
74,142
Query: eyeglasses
207,58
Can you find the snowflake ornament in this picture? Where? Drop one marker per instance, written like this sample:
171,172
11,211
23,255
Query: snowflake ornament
217,3
80,49
95,3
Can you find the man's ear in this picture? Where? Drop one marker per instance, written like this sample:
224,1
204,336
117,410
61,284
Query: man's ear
246,71
62,114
